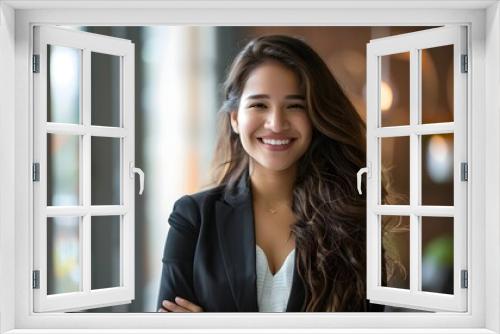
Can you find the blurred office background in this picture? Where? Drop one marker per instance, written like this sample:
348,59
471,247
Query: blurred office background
179,72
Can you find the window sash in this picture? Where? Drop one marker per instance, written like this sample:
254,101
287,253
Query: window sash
413,298
86,297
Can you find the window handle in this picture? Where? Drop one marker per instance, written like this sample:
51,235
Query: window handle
363,170
133,171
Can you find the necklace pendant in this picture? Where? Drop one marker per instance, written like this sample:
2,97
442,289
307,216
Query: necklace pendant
273,211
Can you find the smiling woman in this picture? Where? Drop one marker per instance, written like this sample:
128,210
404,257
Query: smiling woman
289,146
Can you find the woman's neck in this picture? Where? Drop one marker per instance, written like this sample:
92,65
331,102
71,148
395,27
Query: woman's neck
272,187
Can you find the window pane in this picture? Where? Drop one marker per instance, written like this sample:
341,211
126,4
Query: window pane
395,89
63,170
437,254
105,252
106,159
395,232
396,170
105,90
437,84
63,84
63,255
437,169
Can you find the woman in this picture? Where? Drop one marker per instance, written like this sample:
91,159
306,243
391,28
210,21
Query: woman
284,228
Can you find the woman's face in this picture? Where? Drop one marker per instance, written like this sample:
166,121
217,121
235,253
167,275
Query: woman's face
272,119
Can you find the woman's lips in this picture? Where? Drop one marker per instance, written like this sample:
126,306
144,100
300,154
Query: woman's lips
276,146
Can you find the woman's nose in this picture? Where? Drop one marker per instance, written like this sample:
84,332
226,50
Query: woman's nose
276,120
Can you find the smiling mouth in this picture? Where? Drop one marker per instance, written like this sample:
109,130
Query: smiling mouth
277,144
276,141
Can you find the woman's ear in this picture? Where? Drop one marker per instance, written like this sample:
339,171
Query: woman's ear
234,121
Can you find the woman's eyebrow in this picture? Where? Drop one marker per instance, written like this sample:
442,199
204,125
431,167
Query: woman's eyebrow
295,97
265,96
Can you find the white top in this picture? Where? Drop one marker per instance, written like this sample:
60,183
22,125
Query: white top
273,291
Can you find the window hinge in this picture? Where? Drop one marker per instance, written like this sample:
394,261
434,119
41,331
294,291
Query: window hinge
36,279
36,172
464,171
36,63
465,65
464,279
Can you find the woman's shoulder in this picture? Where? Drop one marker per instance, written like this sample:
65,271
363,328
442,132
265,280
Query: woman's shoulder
200,198
208,194
188,208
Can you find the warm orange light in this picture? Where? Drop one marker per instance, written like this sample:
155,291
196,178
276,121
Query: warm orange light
439,148
386,96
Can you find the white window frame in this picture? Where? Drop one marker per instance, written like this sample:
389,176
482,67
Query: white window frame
123,49
16,20
413,43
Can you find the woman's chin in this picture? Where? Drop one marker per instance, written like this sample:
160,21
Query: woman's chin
276,167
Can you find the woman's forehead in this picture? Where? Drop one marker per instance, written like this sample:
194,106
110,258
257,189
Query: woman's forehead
272,80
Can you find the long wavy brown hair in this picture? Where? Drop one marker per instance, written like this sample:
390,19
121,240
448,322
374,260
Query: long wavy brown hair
330,232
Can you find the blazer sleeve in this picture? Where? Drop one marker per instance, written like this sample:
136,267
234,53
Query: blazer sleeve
376,307
178,254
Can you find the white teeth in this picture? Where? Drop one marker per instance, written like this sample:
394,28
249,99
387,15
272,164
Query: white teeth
276,141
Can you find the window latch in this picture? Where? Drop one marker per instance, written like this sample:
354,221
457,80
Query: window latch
363,170
133,171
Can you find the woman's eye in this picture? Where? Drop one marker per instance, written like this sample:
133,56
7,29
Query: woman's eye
296,106
257,105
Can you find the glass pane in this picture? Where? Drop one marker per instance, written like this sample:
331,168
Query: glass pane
395,89
395,170
63,255
105,90
63,84
437,169
105,171
395,251
437,84
105,249
63,169
437,254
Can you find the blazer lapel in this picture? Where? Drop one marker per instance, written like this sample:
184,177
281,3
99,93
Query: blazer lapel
297,293
235,229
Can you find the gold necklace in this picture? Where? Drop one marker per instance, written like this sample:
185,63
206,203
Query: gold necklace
274,210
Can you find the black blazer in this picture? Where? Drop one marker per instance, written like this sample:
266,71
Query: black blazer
209,255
